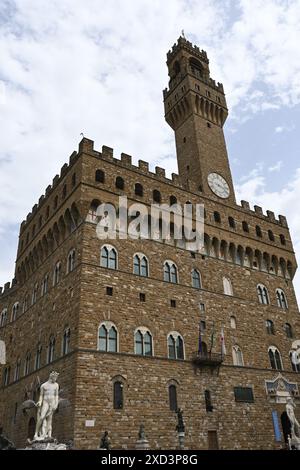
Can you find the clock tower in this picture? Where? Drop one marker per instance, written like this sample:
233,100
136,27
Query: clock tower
195,107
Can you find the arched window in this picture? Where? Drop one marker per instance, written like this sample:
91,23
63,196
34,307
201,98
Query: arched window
3,317
263,295
38,357
282,239
143,342
120,183
45,285
245,226
281,299
66,341
27,363
139,190
170,272
208,403
196,66
275,358
175,346
108,257
196,279
288,330
271,236
71,260
233,322
237,356
156,196
227,286
51,349
173,200
270,327
118,395
17,370
231,222
15,311
294,357
258,231
217,217
34,294
140,265
173,397
107,337
100,176
6,376
57,273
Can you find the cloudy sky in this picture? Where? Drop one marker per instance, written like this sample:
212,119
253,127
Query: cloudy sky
98,67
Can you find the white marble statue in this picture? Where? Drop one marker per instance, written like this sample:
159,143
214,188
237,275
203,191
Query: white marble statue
46,405
295,427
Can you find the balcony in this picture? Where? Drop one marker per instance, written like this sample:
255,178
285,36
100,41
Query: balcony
207,359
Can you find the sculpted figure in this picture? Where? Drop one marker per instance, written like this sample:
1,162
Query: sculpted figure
290,410
105,441
46,405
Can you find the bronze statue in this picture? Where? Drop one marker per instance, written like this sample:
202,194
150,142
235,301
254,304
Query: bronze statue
180,426
105,441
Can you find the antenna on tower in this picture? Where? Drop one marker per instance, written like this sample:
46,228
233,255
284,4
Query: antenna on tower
182,34
81,133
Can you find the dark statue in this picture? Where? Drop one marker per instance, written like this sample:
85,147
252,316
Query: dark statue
105,442
6,444
142,435
180,426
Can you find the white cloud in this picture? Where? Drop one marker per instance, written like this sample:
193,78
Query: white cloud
280,129
277,167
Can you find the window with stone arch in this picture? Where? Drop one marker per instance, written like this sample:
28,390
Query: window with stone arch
237,356
227,286
288,330
170,272
3,317
51,349
27,363
270,327
38,357
57,273
233,322
175,346
281,299
275,358
17,370
15,311
140,265
109,257
118,392
108,337
66,341
263,295
71,260
196,279
143,344
138,190
172,389
34,294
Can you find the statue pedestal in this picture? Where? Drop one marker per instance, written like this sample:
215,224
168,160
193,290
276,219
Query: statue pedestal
294,442
45,444
142,444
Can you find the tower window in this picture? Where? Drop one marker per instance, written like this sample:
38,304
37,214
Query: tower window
217,217
270,327
208,124
109,290
99,176
173,200
245,226
231,222
271,236
282,239
173,303
120,183
156,196
258,231
196,67
139,191
184,140
142,297
207,93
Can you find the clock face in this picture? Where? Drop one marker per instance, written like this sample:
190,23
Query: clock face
218,185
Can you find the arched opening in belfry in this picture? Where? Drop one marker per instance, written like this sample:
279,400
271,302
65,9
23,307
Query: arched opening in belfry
196,66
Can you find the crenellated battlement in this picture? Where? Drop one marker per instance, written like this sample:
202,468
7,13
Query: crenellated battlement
125,161
183,43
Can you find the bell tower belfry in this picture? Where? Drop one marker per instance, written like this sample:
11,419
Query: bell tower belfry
195,108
